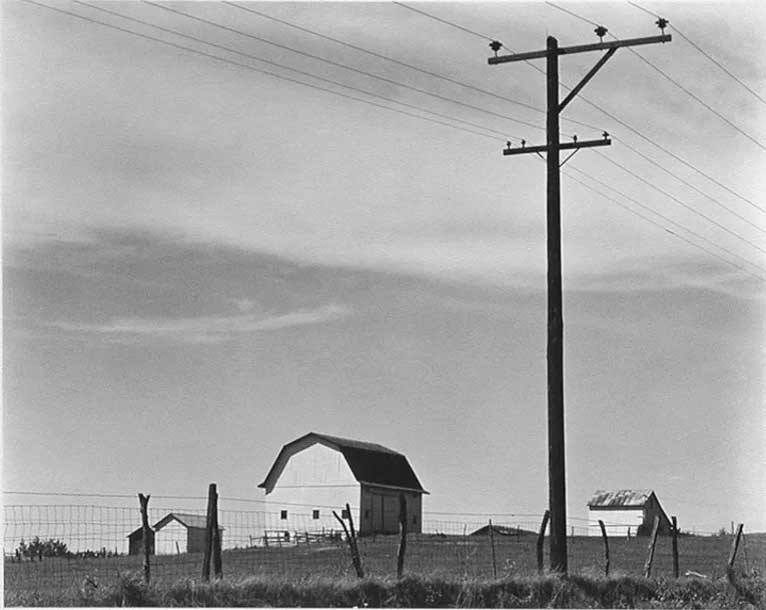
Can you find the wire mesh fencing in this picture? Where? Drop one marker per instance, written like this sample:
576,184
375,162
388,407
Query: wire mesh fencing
55,547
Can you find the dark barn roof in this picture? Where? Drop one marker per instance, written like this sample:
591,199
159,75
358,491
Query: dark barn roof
370,463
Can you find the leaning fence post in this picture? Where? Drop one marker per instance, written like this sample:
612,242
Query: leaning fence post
350,539
145,533
402,535
541,541
211,494
735,546
652,543
675,547
606,547
492,544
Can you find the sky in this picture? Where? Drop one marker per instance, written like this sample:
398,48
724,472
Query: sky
204,259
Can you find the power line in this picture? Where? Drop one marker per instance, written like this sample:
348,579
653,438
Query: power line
629,127
702,51
254,69
444,21
672,222
671,79
690,185
679,202
396,61
284,67
340,65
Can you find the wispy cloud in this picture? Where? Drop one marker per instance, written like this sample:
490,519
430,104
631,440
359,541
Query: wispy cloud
205,329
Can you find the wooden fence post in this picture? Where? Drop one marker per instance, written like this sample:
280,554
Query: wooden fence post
216,539
675,547
541,541
735,546
652,543
492,544
211,494
145,533
351,540
402,535
606,547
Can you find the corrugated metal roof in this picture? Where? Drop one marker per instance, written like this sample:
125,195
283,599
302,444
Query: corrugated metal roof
370,463
622,497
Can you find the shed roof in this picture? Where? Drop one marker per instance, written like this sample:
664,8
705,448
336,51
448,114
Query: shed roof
627,498
370,463
185,519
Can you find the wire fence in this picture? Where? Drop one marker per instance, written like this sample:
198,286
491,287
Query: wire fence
50,547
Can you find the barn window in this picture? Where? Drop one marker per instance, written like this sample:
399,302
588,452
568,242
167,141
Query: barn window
315,514
414,519
366,513
344,514
283,514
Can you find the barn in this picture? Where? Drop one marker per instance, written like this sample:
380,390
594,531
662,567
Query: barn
626,512
136,542
181,533
317,473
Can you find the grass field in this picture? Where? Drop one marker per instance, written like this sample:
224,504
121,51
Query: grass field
467,558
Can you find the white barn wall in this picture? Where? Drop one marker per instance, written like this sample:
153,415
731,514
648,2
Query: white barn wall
315,477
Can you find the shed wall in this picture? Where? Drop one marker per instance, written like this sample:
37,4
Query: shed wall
166,537
616,521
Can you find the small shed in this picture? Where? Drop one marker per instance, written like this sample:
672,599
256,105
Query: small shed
181,533
626,512
136,542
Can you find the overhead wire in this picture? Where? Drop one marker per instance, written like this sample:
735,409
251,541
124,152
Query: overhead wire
666,219
679,202
285,67
218,58
444,21
254,69
703,52
629,127
665,75
349,45
342,66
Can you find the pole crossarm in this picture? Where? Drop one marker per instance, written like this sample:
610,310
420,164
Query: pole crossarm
563,146
587,77
598,46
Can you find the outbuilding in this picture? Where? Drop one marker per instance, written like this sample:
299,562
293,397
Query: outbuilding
136,542
181,533
317,473
626,512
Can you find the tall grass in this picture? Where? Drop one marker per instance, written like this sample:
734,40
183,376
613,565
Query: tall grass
412,591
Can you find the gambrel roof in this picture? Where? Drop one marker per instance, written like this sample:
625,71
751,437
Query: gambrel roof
370,463
625,498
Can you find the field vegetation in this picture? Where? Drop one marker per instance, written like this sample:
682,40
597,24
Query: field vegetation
440,571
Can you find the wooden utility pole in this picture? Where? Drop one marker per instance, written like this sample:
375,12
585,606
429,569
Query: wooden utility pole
555,350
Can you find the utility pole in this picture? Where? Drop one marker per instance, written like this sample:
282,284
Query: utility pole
555,351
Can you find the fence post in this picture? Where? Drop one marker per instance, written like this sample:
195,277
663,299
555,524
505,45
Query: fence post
351,540
675,547
606,547
402,535
216,539
541,541
145,532
211,494
492,544
652,543
735,546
